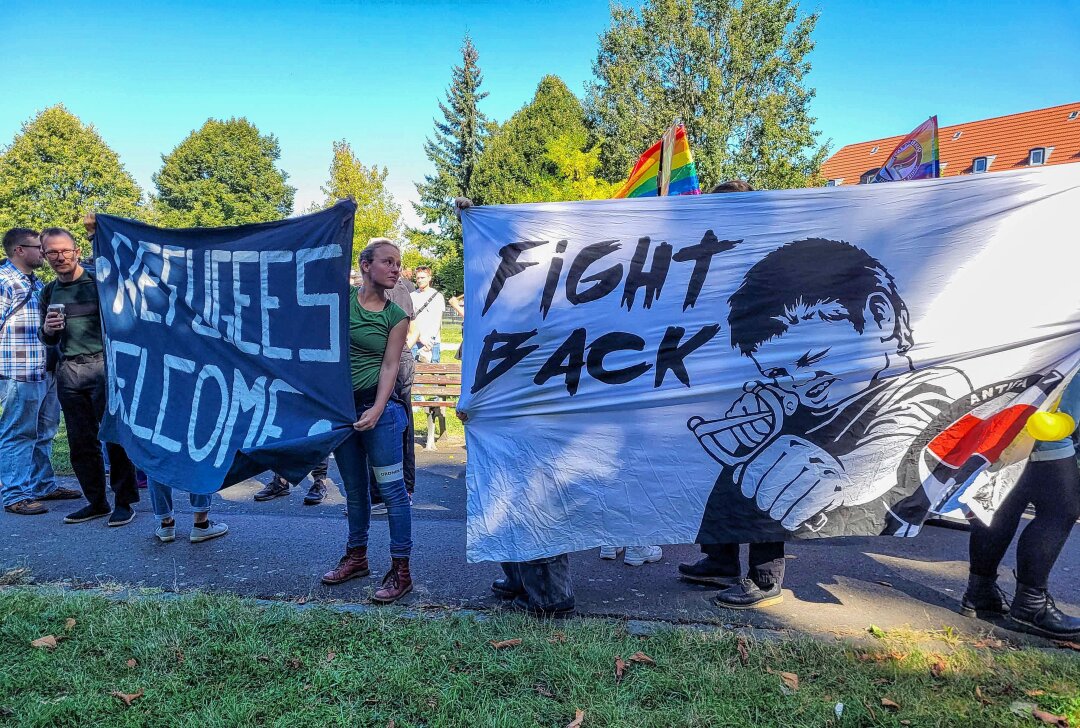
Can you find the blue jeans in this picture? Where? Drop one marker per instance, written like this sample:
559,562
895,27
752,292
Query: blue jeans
161,500
28,423
436,352
382,446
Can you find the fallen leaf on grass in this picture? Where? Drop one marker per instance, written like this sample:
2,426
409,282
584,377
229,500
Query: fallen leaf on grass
790,679
643,659
132,662
48,642
506,643
938,668
390,724
578,718
69,624
330,656
1069,645
1034,693
980,697
989,642
1050,718
876,631
294,663
179,657
557,638
263,658
541,690
620,668
890,704
744,651
126,698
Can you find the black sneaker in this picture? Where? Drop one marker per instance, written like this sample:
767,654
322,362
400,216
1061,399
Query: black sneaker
315,493
706,571
121,515
748,595
87,513
274,489
504,590
522,603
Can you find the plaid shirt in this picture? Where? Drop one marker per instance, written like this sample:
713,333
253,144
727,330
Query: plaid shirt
22,355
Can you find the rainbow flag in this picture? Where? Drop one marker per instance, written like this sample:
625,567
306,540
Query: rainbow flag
666,168
916,157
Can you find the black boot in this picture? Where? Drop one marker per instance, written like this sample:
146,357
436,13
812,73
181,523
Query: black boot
1033,611
710,571
984,598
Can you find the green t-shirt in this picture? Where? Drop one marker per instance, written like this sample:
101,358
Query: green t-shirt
368,333
82,330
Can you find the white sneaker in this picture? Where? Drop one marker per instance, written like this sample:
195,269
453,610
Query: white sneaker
610,553
205,534
167,534
638,555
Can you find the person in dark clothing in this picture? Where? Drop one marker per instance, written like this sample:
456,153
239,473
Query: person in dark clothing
278,486
720,566
1051,483
81,380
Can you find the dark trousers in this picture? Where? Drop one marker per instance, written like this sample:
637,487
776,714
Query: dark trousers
545,581
80,386
766,561
1053,487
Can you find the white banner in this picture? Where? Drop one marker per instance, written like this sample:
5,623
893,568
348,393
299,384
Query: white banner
764,365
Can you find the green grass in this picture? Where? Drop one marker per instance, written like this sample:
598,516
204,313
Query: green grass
450,333
61,453
221,661
455,428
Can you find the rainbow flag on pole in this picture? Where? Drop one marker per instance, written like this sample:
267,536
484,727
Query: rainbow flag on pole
666,168
915,158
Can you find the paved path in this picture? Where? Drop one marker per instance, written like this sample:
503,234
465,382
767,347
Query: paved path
278,549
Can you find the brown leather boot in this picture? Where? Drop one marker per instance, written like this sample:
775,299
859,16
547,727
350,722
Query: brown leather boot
353,563
397,582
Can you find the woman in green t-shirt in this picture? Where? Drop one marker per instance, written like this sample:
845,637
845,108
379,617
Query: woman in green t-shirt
377,331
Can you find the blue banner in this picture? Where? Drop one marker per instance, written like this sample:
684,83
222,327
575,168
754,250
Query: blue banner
227,347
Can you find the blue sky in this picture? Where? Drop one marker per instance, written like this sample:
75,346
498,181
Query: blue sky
147,73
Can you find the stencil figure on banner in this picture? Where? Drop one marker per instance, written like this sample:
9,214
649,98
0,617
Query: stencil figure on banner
71,320
819,346
29,409
226,346
378,329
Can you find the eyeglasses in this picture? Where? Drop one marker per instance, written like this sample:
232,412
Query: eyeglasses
27,246
58,254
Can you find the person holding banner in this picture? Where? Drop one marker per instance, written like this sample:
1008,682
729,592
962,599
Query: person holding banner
1051,483
377,333
720,567
72,320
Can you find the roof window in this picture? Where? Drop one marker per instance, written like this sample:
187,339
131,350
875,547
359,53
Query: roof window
956,135
1037,156
980,164
874,150
1073,115
834,182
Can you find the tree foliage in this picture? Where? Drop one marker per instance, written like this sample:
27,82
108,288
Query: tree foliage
454,149
56,170
733,71
541,154
377,215
222,174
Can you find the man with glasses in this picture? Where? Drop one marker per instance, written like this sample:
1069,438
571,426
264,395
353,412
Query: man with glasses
29,411
80,380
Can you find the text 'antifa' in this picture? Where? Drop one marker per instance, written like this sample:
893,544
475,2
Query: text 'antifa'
502,351
246,298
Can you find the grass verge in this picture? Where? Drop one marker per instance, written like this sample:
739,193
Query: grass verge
218,660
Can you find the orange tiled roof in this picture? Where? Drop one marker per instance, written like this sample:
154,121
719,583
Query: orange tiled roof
1007,139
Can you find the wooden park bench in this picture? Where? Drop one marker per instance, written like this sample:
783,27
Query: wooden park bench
441,382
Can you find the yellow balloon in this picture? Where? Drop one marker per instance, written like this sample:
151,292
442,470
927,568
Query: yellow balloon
1050,426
